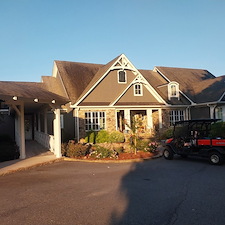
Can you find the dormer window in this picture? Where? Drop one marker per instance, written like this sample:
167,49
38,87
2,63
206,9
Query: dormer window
122,77
138,91
173,90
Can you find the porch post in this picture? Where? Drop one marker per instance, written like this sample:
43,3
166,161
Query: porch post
22,133
160,118
57,134
149,119
127,118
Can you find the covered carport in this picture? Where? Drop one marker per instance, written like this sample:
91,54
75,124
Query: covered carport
33,98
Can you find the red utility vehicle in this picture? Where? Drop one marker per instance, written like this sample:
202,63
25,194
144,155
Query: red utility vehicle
191,138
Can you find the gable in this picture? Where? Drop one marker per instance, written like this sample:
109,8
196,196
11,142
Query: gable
108,89
129,98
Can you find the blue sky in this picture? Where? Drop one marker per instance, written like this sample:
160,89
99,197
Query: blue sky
176,33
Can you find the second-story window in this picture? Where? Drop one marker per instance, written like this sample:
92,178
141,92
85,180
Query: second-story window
138,90
122,78
173,90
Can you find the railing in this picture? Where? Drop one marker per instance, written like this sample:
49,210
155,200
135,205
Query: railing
45,139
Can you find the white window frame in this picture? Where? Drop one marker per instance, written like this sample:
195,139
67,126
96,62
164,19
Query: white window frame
176,115
95,120
219,113
171,92
118,76
140,90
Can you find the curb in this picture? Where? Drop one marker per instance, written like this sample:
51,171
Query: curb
112,161
30,167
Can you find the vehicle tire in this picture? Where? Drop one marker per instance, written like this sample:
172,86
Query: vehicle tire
216,158
168,153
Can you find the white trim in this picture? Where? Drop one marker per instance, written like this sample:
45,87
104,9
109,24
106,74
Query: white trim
170,94
221,97
55,71
128,66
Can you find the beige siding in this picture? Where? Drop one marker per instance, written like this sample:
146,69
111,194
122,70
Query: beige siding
129,97
109,89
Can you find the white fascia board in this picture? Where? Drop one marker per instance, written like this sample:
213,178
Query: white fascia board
221,97
193,103
132,68
55,71
155,68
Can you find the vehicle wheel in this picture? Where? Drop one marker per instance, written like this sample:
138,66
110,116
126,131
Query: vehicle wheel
215,158
168,153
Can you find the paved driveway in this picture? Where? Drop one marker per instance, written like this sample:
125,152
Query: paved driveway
179,192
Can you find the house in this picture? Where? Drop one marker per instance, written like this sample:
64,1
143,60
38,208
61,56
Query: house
102,96
80,97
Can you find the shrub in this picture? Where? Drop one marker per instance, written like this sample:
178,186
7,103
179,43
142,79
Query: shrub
102,136
76,149
167,133
142,145
217,130
90,137
101,153
116,136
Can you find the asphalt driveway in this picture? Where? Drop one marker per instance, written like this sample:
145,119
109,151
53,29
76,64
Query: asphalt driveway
179,192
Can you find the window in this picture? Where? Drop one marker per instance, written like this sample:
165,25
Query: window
122,76
219,113
176,115
173,90
94,121
138,90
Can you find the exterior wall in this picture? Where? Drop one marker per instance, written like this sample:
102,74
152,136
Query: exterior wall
109,88
129,97
200,113
110,120
7,126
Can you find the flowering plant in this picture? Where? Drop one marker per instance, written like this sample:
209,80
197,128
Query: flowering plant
153,146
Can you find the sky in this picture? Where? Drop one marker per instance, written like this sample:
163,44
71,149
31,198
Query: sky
172,33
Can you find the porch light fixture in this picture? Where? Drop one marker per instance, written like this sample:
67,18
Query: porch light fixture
53,101
36,100
15,98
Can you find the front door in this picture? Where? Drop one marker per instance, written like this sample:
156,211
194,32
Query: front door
28,127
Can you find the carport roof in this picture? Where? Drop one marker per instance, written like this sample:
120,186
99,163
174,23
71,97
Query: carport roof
29,91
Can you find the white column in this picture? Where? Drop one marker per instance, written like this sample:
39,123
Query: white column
212,111
57,134
160,118
22,133
149,119
127,118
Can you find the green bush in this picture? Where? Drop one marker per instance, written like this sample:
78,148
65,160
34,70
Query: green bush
101,153
142,145
102,136
217,130
116,137
90,137
8,151
167,133
74,150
